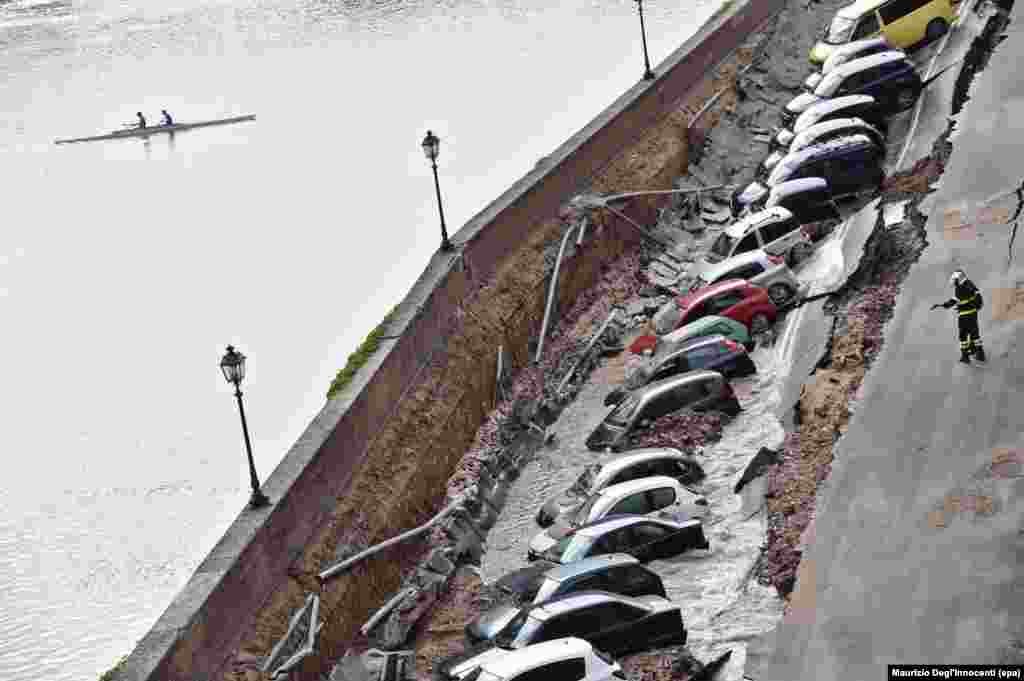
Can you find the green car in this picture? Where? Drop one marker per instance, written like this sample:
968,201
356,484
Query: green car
710,325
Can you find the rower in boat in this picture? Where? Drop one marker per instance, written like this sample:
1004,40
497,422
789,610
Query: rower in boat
142,119
165,118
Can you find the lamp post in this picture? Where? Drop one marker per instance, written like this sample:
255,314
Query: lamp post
431,145
648,74
233,366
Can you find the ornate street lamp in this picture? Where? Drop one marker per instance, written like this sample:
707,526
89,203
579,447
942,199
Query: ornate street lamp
648,74
431,145
233,366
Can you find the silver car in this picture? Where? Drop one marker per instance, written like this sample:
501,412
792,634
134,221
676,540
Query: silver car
758,267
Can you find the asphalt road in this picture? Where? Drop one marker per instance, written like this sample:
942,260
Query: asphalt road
901,569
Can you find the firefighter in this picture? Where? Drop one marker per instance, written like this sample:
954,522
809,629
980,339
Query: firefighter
968,301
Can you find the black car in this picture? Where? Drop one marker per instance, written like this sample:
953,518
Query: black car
612,623
646,538
717,353
850,165
617,573
864,107
889,77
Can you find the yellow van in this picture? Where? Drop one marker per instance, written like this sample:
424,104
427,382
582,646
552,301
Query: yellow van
904,23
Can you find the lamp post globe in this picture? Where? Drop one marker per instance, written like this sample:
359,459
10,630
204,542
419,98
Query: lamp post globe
431,147
648,74
232,365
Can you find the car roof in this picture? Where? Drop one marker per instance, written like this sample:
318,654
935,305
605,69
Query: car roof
796,158
802,184
856,9
622,489
868,62
527,658
748,258
697,342
588,565
775,214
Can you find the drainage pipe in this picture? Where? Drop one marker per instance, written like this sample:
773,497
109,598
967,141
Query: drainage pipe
551,294
342,566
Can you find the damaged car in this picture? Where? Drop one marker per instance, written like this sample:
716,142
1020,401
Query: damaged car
889,77
616,624
631,465
821,132
642,497
697,390
563,658
646,538
716,353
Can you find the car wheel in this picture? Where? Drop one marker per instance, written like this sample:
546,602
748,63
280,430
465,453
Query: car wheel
936,29
779,293
759,323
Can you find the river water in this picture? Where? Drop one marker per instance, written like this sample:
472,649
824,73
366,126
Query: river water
127,266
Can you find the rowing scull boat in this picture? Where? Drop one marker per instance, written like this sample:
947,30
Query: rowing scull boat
156,129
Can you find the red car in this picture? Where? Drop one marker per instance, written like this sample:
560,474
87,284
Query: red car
734,298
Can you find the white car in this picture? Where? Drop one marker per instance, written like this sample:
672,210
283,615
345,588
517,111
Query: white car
561,659
644,496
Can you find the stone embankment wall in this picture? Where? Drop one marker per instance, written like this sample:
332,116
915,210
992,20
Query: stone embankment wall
375,461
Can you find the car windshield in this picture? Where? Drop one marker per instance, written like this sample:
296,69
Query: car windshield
839,31
723,245
586,479
546,590
620,415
